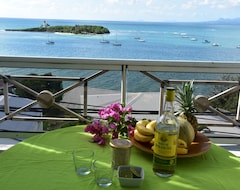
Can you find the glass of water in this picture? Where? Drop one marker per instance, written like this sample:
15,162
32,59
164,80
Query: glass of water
83,159
103,172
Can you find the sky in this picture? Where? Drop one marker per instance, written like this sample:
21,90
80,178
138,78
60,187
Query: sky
122,10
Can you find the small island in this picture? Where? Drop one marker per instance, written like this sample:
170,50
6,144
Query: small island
77,29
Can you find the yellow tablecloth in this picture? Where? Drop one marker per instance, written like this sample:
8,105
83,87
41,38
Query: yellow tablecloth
44,162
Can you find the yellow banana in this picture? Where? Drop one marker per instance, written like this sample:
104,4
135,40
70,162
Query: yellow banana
152,147
141,127
179,150
152,141
182,151
182,143
142,122
142,138
151,125
182,147
144,131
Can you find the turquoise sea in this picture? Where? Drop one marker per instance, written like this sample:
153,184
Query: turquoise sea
160,41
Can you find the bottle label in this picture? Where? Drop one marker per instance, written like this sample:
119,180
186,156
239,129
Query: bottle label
164,162
165,144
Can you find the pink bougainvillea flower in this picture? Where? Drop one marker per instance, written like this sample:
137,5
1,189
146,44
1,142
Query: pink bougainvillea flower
97,138
115,135
112,126
116,116
128,109
115,119
105,130
102,141
116,107
131,130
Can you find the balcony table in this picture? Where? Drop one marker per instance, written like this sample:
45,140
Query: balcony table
44,162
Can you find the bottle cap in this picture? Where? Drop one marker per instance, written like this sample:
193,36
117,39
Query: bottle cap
170,94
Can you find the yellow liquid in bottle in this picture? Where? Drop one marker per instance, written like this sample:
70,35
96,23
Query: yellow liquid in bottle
164,157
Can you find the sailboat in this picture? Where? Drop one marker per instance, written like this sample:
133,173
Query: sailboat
215,44
141,40
116,43
104,41
50,42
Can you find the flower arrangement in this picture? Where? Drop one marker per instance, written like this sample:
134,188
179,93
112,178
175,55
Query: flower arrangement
115,120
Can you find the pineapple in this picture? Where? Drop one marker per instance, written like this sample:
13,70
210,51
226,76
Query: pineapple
185,99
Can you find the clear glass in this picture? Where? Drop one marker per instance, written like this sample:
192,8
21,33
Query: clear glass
82,159
103,172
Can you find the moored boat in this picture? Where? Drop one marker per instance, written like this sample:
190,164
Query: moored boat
215,44
49,42
206,41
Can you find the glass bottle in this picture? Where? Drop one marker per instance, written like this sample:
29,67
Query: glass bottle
166,137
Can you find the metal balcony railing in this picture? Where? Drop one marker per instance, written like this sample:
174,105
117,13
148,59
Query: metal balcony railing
46,98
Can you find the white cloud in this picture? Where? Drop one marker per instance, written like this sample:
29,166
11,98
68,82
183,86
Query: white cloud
112,1
211,4
155,10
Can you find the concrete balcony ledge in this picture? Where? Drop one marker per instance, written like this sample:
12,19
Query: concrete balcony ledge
233,148
6,143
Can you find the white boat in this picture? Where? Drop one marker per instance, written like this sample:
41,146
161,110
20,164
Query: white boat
193,39
138,38
215,44
49,42
183,34
104,41
238,47
116,43
141,40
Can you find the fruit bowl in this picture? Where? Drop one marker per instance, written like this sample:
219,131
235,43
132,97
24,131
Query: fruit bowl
199,146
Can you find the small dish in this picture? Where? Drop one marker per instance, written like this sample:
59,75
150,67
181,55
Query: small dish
130,176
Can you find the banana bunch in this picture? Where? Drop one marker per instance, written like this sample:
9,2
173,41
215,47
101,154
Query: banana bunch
182,147
144,130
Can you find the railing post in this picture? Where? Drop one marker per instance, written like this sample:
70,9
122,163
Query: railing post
5,94
238,107
124,85
161,98
85,95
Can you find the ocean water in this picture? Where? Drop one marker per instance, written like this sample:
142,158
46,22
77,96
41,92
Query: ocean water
162,41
